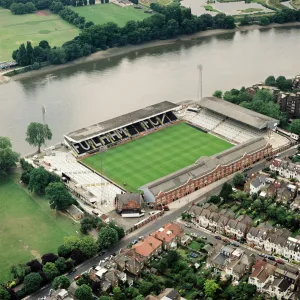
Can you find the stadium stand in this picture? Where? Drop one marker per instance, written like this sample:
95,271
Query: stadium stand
83,181
111,132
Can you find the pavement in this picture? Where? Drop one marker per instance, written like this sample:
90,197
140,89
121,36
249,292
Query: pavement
177,208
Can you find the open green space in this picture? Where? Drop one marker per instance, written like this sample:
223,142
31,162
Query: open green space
155,155
42,25
195,246
110,12
28,227
210,8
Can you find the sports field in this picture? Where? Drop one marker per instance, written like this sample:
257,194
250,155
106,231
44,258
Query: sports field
155,155
28,227
42,25
103,13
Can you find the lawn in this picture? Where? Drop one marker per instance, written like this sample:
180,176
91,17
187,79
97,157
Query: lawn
195,246
103,13
43,25
156,155
28,227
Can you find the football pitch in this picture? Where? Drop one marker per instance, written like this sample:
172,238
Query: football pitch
110,12
42,25
155,155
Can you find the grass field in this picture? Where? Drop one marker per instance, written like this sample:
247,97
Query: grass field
103,13
28,227
155,155
43,25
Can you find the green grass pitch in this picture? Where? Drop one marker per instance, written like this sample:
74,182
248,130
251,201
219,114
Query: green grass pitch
42,25
110,12
156,155
28,227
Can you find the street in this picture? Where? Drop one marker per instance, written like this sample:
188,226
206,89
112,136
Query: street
151,227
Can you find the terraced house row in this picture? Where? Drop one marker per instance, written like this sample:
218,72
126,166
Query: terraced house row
263,237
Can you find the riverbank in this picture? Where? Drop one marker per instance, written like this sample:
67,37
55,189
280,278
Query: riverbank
114,52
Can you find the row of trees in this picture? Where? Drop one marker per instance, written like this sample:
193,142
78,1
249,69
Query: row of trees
8,157
21,9
280,82
169,22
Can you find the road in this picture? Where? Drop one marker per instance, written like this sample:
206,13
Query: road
151,227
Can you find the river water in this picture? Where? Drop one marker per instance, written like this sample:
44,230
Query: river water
82,95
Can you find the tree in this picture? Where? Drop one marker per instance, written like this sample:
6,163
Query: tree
84,292
295,128
62,282
50,270
29,51
210,287
64,251
61,264
58,195
214,199
49,257
226,191
44,44
172,257
4,294
39,180
218,94
264,21
88,246
32,282
238,179
257,204
34,265
57,56
270,81
120,230
37,134
107,237
8,158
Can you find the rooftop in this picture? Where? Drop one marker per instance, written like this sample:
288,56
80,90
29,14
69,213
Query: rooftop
238,113
121,121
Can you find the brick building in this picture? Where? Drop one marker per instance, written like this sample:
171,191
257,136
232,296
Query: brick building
289,103
206,171
128,202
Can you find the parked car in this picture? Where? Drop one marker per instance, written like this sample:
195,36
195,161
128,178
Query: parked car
203,237
193,234
166,208
271,258
95,213
263,255
72,271
193,255
226,241
134,242
141,237
280,261
217,237
187,225
235,244
77,277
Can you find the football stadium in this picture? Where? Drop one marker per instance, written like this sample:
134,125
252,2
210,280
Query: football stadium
165,151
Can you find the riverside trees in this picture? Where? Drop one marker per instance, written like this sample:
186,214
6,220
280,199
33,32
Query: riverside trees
8,158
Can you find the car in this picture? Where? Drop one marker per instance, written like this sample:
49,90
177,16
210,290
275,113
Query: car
72,271
77,277
141,237
235,244
280,261
263,255
166,208
193,255
103,252
226,241
95,213
271,258
217,237
134,242
114,254
203,237
188,225
193,234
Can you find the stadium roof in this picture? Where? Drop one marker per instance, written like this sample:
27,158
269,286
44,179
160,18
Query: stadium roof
203,166
238,113
121,121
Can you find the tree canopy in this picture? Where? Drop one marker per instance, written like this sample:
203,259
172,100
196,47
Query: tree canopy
32,282
39,179
210,287
84,292
50,270
58,195
107,237
295,128
37,134
8,158
238,179
62,282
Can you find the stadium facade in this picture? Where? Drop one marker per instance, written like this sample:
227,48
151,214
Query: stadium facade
251,133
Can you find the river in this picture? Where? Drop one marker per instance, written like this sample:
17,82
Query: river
85,94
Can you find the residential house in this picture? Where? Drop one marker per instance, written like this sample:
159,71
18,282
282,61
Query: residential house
60,294
276,240
257,184
128,260
268,279
296,203
285,169
239,266
256,236
225,216
213,221
148,247
167,294
170,235
237,228
286,193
